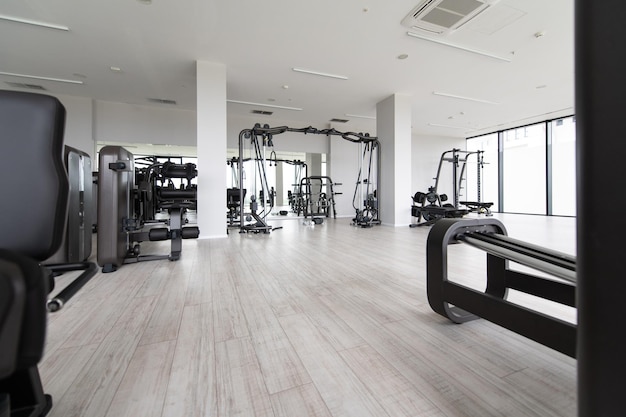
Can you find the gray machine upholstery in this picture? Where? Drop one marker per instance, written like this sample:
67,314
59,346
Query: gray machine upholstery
76,244
35,189
116,182
31,135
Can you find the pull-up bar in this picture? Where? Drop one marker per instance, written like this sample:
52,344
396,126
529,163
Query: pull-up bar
266,130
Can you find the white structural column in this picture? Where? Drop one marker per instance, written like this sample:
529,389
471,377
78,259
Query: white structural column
211,143
393,128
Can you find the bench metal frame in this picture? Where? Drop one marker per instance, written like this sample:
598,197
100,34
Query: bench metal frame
460,303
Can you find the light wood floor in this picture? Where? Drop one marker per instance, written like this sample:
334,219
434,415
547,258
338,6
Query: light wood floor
330,320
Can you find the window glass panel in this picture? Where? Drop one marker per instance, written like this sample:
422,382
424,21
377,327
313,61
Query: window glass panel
524,165
489,174
564,167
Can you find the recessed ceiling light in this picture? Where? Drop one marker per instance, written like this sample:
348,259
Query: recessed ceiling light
34,22
37,77
479,100
361,116
116,69
321,74
450,126
403,56
264,105
145,1
461,47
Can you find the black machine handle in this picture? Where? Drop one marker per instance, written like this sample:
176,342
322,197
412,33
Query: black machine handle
89,270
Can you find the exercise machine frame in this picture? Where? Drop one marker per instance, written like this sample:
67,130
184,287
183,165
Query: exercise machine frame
120,231
265,135
460,303
325,201
436,209
366,191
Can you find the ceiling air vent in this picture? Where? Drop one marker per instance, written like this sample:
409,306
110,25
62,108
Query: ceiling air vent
339,120
263,112
162,101
25,85
444,16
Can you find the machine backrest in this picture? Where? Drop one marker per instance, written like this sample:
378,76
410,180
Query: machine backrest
34,185
34,192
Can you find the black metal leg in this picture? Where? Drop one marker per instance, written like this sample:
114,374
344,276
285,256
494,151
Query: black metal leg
26,394
176,233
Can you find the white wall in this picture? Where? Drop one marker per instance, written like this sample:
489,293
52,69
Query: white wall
78,124
343,166
425,154
120,122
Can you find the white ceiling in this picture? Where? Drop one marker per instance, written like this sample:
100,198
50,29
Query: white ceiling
156,47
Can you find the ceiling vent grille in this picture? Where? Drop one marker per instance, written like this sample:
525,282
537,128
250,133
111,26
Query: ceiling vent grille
263,112
444,16
25,85
162,101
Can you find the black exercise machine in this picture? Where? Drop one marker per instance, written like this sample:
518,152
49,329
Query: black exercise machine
119,229
33,227
317,203
365,199
432,206
232,204
295,196
460,303
261,137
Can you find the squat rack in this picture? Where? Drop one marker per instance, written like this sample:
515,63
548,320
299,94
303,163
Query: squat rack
459,157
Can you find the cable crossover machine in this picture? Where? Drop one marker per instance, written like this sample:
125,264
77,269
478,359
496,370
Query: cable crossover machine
259,138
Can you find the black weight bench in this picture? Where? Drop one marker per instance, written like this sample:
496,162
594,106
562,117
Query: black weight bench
431,207
461,304
432,213
478,207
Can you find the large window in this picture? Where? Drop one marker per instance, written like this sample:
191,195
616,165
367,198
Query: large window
524,169
529,169
563,146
